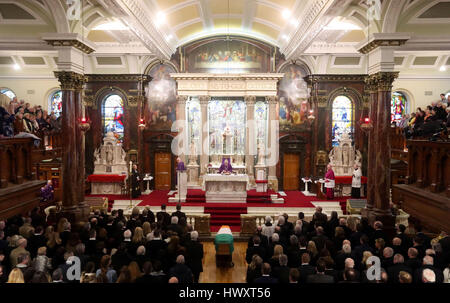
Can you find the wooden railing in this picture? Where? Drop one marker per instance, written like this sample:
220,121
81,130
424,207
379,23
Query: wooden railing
398,144
15,158
429,165
50,140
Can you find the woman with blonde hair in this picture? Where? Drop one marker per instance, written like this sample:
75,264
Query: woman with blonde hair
254,269
16,276
135,271
275,260
313,252
125,275
146,228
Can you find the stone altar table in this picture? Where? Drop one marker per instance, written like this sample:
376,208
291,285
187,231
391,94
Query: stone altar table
226,188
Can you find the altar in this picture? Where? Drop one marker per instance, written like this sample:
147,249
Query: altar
225,188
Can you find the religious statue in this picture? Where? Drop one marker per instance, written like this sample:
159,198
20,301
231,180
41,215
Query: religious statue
227,141
110,157
261,153
192,154
344,156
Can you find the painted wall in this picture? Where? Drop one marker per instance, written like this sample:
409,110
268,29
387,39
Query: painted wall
34,91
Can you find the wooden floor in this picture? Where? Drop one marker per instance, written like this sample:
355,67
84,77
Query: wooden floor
212,274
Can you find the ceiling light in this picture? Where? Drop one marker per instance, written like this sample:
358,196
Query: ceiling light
169,37
285,37
341,25
286,13
160,18
294,22
16,66
111,26
443,68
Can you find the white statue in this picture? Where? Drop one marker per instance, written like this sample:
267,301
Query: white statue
261,153
192,154
344,156
110,157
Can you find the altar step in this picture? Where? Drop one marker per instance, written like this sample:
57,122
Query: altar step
225,215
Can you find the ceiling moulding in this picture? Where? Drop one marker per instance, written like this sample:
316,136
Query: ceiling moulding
24,44
313,17
136,15
378,39
73,40
320,47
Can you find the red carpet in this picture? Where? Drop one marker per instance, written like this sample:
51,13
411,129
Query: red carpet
226,213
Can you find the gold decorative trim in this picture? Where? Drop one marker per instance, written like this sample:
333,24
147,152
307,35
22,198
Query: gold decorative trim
335,78
70,80
72,42
89,101
118,78
381,81
381,42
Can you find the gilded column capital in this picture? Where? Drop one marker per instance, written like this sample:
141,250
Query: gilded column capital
272,100
250,100
204,100
381,81
70,80
181,99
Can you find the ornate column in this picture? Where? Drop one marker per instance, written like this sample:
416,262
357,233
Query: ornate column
250,148
204,157
72,169
273,143
181,118
380,50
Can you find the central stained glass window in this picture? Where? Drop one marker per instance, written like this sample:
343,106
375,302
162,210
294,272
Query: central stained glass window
112,113
342,119
227,116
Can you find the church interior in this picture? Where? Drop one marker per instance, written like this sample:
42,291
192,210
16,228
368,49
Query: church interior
213,141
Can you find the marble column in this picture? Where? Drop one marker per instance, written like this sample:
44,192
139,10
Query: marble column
372,142
204,157
273,144
181,118
71,84
250,147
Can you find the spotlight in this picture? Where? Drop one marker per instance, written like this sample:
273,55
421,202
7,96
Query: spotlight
16,66
443,68
286,14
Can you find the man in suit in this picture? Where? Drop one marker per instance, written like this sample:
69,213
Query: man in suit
264,239
256,249
320,239
163,217
174,227
357,253
266,278
378,233
342,255
398,266
36,240
294,276
413,261
20,249
350,276
428,264
178,213
281,273
306,269
195,256
320,276
181,271
156,247
301,217
319,218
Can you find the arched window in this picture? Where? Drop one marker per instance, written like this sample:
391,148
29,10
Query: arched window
55,103
342,118
6,91
398,106
112,116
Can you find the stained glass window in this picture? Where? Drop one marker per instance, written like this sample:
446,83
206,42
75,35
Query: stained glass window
6,91
226,115
194,124
342,118
398,106
56,103
112,113
260,122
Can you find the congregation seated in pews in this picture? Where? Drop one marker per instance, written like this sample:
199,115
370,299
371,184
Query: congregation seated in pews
332,250
20,120
428,122
145,248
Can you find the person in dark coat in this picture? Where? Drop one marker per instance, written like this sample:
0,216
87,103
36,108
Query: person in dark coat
163,217
178,213
181,271
320,276
135,182
195,256
281,273
306,269
256,249
265,277
398,266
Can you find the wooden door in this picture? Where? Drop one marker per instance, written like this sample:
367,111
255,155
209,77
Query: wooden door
162,171
291,171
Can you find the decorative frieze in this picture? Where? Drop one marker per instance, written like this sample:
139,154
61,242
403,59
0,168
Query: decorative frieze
71,42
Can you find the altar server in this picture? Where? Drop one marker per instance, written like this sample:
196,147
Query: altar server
329,182
356,182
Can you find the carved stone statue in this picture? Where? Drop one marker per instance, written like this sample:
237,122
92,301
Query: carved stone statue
261,153
110,157
344,156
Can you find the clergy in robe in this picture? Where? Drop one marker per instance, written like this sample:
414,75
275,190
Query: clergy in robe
329,182
180,165
135,184
47,192
356,182
225,168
